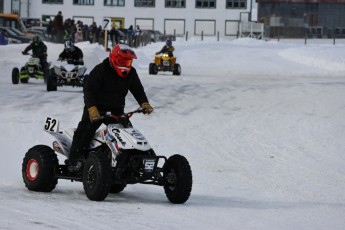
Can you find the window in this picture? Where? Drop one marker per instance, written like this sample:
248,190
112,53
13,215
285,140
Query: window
114,2
175,3
144,3
53,1
83,2
236,4
205,4
293,12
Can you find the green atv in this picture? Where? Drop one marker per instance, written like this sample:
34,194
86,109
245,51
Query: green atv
32,69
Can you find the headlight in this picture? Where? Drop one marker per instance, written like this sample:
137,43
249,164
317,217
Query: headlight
69,75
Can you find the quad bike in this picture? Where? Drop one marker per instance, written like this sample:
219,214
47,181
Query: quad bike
165,63
117,156
32,69
66,74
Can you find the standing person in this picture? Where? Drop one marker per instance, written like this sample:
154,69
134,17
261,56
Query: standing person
3,37
50,30
94,30
137,36
105,90
114,35
39,50
58,25
100,35
78,35
168,48
130,35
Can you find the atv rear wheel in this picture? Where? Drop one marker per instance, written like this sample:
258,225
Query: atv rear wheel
177,69
178,175
39,168
153,68
97,176
51,82
15,75
117,188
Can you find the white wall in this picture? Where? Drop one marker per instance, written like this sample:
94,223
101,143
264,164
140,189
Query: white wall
159,14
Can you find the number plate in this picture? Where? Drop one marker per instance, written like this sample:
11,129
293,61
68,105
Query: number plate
149,164
51,125
166,63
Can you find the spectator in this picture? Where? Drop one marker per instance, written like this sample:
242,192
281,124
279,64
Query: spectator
3,37
58,25
130,35
100,35
94,30
137,36
51,31
114,35
78,35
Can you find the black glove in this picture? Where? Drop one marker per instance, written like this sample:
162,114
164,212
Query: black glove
24,53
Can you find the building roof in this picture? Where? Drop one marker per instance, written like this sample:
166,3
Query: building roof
303,1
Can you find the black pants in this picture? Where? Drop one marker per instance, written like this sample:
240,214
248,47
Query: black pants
83,136
45,66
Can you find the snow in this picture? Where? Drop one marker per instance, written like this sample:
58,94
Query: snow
261,123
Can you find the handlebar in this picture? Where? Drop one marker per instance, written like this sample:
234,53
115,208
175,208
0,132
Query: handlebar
33,55
122,117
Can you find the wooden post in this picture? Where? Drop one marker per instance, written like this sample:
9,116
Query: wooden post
106,40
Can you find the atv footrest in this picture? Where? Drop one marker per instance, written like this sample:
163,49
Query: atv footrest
64,174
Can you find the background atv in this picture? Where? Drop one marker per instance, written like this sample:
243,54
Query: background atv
118,155
32,69
66,74
164,63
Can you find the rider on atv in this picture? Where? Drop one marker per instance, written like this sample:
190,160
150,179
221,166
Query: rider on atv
72,54
168,48
105,90
39,50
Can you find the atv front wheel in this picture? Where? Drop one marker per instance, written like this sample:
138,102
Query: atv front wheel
178,175
15,75
39,168
153,68
97,176
177,69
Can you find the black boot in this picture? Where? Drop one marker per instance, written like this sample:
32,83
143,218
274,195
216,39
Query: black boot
75,166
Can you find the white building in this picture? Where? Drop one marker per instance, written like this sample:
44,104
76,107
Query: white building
194,17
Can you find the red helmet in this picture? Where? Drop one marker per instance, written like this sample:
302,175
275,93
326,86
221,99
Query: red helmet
121,58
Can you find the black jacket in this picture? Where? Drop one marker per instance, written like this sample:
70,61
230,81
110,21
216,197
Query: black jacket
167,49
75,57
39,50
107,91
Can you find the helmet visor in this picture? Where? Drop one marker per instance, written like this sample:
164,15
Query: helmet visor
121,62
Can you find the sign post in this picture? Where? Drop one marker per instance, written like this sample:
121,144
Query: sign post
106,25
